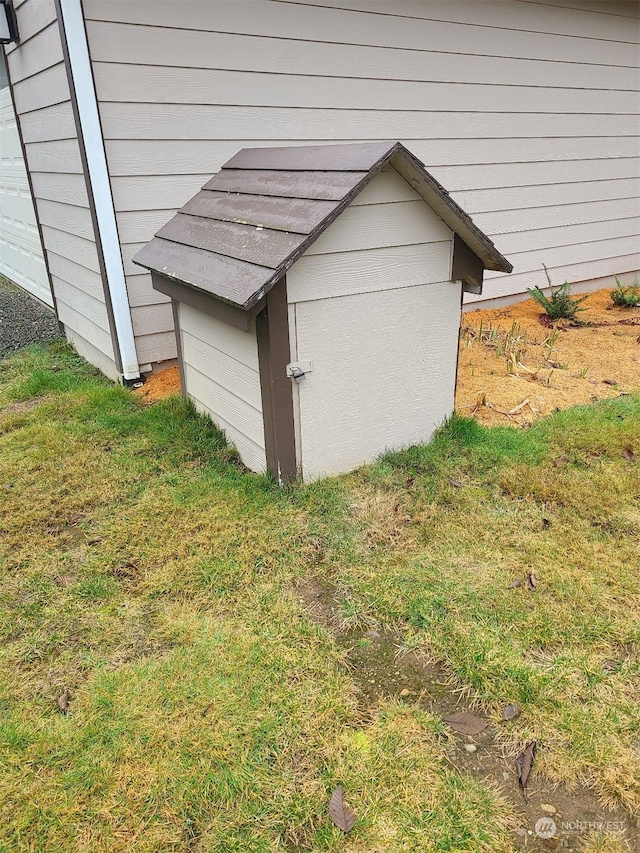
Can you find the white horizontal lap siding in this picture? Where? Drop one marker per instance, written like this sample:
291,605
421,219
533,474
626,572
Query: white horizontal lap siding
42,96
223,379
527,112
21,257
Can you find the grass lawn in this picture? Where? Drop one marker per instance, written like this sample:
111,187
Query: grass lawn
215,634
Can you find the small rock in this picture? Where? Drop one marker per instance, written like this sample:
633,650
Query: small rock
470,748
506,776
547,808
405,692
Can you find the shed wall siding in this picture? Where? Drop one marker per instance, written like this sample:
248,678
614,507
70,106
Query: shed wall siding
373,309
223,380
384,242
527,112
41,91
383,373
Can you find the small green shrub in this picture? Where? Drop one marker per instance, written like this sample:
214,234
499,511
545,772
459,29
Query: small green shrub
625,297
559,305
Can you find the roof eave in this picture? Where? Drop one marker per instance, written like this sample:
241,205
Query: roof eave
437,197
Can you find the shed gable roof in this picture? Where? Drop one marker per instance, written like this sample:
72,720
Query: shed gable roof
251,222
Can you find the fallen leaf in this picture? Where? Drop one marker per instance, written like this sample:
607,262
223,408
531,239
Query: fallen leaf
524,763
64,580
510,712
532,582
466,723
628,454
515,584
609,382
340,814
560,461
208,708
456,483
63,702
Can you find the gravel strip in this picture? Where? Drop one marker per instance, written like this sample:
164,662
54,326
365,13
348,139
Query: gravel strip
23,320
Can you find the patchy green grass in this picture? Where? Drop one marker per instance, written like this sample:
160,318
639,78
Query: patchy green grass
144,572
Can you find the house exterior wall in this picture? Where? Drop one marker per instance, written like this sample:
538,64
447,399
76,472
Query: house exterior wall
527,112
372,307
43,104
21,258
220,364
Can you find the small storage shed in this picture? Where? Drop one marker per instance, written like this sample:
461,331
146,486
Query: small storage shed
317,298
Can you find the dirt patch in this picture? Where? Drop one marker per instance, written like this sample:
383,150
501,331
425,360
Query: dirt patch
379,665
161,384
24,406
381,669
514,367
13,417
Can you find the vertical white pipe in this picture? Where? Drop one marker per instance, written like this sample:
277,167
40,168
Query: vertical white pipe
87,105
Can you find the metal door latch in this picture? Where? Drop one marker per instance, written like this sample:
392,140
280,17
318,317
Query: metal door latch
298,369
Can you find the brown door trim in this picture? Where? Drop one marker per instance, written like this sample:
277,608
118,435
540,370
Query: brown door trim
175,310
466,266
274,353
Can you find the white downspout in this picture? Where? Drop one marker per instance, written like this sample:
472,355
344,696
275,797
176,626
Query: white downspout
87,105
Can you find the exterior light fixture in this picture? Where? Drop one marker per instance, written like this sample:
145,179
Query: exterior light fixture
8,23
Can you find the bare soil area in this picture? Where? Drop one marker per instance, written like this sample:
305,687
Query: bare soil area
160,384
514,366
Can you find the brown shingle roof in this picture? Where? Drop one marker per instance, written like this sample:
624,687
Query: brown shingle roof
251,222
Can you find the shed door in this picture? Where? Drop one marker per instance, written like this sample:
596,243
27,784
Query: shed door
21,258
382,373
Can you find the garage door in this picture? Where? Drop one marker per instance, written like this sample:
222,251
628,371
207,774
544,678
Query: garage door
20,248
